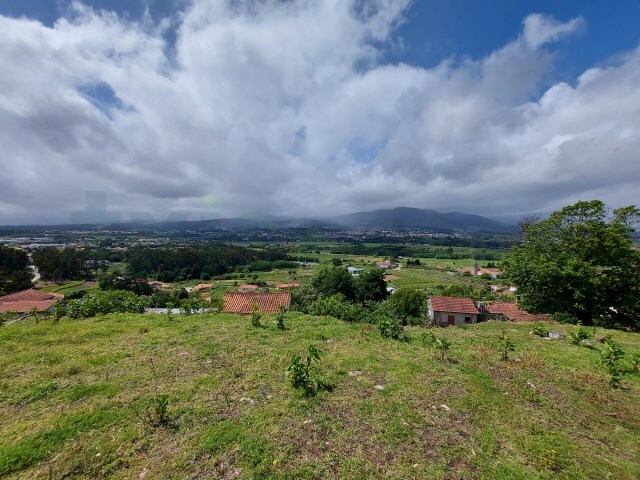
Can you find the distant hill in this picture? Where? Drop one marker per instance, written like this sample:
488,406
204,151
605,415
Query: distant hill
396,218
413,218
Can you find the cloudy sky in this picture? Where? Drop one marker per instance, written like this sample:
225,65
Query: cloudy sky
315,107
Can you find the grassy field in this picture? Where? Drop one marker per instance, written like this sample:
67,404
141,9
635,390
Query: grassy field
425,277
73,397
71,287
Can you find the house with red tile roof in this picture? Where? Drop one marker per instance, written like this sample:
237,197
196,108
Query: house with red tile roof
507,311
237,302
385,264
27,300
202,287
445,311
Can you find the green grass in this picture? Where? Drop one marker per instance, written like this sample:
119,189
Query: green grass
73,399
72,287
428,276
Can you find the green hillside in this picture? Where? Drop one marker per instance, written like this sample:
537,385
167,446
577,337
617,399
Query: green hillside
73,402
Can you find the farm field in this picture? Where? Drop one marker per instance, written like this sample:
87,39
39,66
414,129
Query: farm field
73,398
424,278
71,287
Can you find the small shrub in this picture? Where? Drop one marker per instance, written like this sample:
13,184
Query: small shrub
506,346
280,317
539,330
255,316
301,374
337,306
610,357
428,338
579,335
635,362
390,328
59,311
442,345
160,404
170,306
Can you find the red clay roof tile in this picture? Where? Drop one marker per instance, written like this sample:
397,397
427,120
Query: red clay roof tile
236,302
513,313
26,306
453,305
29,295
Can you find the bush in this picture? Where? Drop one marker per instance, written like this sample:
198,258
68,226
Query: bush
302,298
337,306
59,311
610,357
103,303
428,338
442,345
390,328
635,362
505,345
302,375
280,317
579,335
408,305
255,316
539,330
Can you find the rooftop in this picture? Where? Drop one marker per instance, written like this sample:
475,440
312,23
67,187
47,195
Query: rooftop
236,302
27,300
453,305
512,312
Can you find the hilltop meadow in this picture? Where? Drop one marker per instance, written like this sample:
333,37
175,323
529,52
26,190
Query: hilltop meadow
206,396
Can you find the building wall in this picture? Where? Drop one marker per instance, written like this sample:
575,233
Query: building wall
441,318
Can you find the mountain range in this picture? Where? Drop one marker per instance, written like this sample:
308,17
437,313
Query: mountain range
402,218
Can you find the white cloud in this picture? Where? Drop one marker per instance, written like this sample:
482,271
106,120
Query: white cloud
286,107
541,29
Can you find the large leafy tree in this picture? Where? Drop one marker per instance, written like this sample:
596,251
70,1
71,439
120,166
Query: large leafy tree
330,281
580,262
371,286
409,305
14,273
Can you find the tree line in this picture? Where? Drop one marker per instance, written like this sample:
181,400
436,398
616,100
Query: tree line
202,261
15,274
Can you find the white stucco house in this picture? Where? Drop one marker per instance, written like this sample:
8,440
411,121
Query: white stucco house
446,311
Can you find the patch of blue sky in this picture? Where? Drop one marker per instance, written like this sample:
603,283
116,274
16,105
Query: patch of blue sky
297,146
365,152
104,98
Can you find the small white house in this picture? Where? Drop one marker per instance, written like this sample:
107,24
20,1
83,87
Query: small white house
446,311
355,271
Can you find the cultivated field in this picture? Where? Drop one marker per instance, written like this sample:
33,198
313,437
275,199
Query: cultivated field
73,400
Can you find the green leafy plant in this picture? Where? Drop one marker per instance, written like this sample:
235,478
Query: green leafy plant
301,374
59,311
635,362
280,317
442,345
610,357
506,346
428,338
390,328
539,330
255,315
170,306
160,407
579,335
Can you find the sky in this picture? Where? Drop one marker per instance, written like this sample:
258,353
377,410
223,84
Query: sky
190,109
